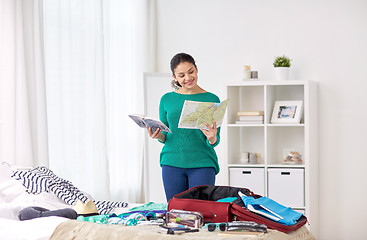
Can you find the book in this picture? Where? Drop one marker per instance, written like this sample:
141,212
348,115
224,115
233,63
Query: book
250,113
243,117
250,122
250,119
195,114
153,123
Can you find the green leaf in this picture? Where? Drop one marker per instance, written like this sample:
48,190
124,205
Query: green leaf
282,61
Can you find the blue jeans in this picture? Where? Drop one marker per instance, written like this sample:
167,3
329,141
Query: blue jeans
177,180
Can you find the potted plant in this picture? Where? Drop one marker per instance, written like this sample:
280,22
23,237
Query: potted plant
282,65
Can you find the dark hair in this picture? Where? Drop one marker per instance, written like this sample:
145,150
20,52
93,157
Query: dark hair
175,61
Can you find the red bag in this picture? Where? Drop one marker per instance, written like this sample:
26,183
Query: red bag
204,199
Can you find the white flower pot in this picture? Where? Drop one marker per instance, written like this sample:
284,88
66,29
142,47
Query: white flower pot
281,73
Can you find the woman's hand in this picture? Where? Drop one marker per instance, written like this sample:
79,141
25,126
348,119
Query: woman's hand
157,134
211,133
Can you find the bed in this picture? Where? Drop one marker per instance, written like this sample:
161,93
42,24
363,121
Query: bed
14,198
84,230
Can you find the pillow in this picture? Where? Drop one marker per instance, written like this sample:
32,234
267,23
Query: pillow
5,172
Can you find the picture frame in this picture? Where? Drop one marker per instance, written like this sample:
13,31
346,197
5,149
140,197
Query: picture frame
287,112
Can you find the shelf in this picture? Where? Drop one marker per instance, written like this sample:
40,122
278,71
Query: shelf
285,166
291,184
299,208
245,125
267,124
246,165
269,83
285,125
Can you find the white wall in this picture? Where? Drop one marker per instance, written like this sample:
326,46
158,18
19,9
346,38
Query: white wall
327,41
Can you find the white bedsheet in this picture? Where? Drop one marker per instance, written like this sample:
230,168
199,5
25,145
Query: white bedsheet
14,198
35,229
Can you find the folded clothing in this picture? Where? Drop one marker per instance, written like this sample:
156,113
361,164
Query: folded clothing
36,212
271,209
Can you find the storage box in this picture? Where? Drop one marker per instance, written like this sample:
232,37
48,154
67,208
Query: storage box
286,186
251,178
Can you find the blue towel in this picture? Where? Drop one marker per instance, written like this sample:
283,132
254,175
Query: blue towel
271,208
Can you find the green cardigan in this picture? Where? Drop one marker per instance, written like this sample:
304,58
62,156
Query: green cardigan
186,148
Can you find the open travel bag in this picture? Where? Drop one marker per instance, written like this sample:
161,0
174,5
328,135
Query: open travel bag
204,199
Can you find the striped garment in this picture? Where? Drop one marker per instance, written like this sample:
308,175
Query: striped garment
42,179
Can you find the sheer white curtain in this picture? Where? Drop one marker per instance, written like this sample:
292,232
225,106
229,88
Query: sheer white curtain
95,54
23,127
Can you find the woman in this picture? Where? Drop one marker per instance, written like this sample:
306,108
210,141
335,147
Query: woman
188,158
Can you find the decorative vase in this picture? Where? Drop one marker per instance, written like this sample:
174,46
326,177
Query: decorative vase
281,73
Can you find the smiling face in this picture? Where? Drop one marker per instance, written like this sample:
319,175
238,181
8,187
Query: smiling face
186,74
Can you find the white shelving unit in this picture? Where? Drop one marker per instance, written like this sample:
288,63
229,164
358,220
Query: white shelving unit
299,182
